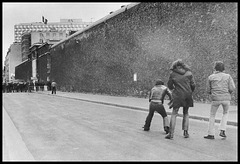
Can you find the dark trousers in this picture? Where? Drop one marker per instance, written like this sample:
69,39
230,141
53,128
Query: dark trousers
154,106
30,88
54,90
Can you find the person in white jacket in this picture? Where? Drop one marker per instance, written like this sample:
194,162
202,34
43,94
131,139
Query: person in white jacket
54,85
220,85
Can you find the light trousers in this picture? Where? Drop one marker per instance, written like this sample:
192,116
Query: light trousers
214,107
185,121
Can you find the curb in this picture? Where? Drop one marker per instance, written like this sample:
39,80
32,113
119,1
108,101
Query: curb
143,109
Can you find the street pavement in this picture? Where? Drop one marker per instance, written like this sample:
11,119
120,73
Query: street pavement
13,145
200,111
39,126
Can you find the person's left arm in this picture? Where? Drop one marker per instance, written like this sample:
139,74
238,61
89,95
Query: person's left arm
231,85
208,86
168,92
192,83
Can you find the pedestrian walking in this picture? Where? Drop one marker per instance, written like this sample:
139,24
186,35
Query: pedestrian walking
181,83
8,86
41,84
156,99
48,85
37,85
220,85
54,85
21,86
25,86
11,88
31,86
15,86
3,87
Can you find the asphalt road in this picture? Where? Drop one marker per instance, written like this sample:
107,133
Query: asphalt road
56,128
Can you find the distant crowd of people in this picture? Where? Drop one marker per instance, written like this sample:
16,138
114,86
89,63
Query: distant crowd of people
29,86
17,87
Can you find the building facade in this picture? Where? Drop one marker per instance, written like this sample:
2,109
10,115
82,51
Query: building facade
24,70
31,38
50,37
37,66
25,45
33,56
12,59
43,62
6,67
65,25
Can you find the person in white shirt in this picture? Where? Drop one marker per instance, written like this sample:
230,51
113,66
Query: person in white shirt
54,87
220,85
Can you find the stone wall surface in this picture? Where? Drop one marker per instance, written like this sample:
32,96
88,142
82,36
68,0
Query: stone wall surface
145,40
24,71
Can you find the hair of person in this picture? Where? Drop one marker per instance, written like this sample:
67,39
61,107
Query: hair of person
219,66
159,82
180,63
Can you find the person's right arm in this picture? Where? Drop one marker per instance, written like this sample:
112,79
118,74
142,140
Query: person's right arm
208,86
192,83
231,85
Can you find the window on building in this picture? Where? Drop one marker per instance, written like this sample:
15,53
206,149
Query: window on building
47,34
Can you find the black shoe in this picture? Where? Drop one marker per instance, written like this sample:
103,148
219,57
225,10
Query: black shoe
146,129
222,133
166,129
209,137
185,134
169,136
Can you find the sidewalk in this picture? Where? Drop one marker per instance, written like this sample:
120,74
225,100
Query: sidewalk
200,111
14,148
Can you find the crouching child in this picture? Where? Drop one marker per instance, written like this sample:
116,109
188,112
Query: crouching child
156,99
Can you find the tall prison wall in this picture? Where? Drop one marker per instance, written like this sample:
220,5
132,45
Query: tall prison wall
24,71
145,40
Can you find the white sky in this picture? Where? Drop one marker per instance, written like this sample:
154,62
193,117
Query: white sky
15,13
